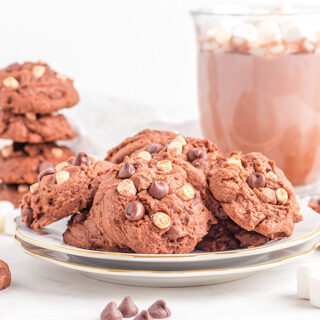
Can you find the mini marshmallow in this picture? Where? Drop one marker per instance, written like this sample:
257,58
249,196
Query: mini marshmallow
268,32
314,288
294,32
244,32
303,273
221,34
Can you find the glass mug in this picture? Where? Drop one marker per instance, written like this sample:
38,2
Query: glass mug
259,85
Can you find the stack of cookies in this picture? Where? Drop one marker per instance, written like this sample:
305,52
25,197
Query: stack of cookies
30,96
162,193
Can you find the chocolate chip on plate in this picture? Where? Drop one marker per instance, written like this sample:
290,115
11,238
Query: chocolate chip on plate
111,312
159,310
128,308
27,216
126,171
158,189
81,157
154,148
134,211
46,172
256,180
195,154
143,315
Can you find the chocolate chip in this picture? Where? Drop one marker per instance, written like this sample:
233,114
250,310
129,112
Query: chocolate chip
27,216
126,171
196,153
13,67
143,315
110,312
256,180
81,157
17,146
45,165
158,189
46,172
154,148
128,308
159,310
134,210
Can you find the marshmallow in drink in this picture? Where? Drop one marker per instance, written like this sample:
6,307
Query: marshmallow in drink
244,32
268,32
303,273
314,288
295,32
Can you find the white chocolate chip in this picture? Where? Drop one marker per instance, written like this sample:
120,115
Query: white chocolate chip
144,155
164,165
30,116
62,176
161,220
235,160
61,76
54,113
175,149
180,139
57,152
10,82
61,165
186,192
271,175
126,188
34,187
282,195
94,158
23,188
7,151
38,71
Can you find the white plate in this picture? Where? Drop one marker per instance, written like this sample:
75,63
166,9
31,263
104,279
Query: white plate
51,238
160,278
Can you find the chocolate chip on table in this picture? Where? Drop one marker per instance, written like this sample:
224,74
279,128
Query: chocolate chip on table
45,165
134,211
128,308
195,154
158,189
126,171
143,315
154,148
256,180
46,172
81,157
159,310
27,216
111,312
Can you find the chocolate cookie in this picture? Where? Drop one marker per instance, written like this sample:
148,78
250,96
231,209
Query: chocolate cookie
255,194
314,204
34,128
21,163
83,233
34,87
13,192
5,275
151,207
63,191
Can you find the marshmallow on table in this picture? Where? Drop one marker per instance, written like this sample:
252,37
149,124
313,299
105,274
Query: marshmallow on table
303,273
314,288
7,215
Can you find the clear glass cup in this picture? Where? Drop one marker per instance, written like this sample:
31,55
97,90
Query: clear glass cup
259,85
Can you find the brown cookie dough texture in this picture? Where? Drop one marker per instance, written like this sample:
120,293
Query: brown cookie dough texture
36,88
13,192
314,204
34,128
82,232
5,275
63,191
150,210
255,194
21,163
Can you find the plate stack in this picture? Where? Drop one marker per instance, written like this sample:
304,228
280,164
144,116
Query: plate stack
30,96
193,269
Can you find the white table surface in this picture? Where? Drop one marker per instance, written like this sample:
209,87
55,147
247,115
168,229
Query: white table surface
41,290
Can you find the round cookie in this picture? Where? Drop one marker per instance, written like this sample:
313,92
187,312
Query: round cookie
314,204
21,163
34,128
13,192
255,194
83,233
151,207
63,191
34,87
5,275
